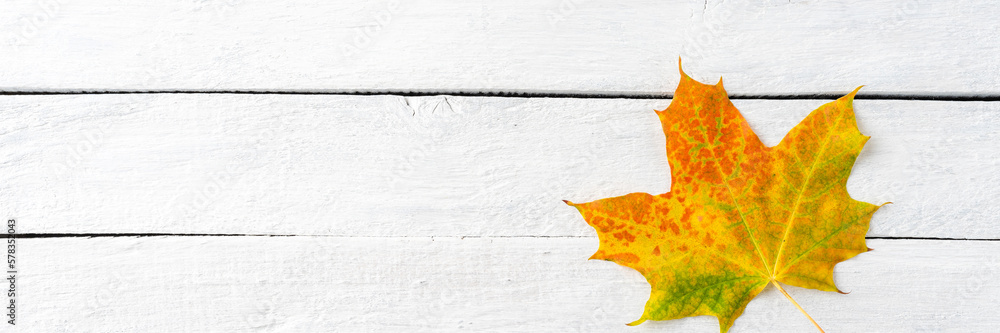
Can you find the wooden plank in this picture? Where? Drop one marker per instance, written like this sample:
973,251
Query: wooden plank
183,284
565,46
434,166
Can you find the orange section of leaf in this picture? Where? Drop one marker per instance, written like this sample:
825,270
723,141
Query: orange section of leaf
739,214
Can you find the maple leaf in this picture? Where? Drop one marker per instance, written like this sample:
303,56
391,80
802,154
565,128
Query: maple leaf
739,215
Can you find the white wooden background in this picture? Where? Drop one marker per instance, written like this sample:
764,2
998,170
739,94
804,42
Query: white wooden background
429,208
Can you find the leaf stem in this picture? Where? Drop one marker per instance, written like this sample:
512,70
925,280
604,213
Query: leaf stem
776,284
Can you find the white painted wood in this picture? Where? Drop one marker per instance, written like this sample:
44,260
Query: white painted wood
560,45
357,284
434,166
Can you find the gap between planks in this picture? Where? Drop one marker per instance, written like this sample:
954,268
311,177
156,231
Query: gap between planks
956,97
102,235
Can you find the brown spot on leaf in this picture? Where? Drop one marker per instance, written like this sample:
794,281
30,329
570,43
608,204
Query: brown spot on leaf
624,235
623,257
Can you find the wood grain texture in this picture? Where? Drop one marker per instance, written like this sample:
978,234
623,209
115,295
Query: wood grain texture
310,284
565,46
434,166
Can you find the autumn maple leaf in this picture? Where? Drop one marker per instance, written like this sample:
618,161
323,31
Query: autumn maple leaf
739,215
